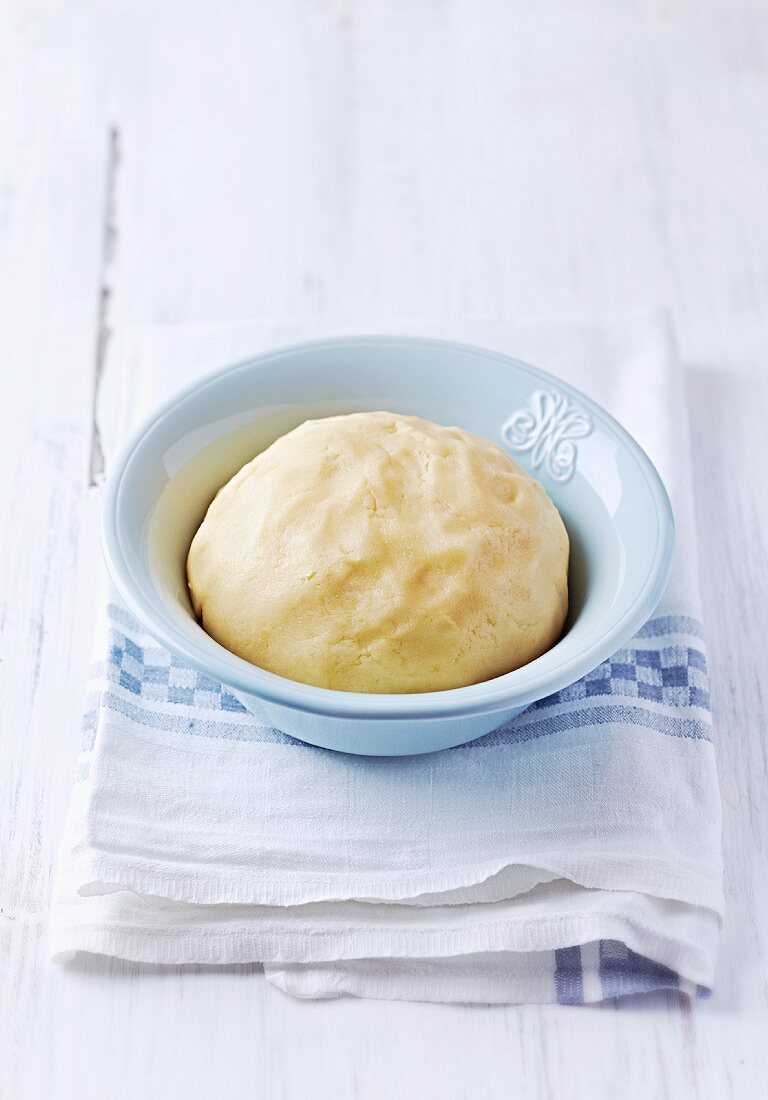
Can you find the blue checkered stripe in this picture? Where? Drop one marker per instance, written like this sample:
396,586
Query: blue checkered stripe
142,681
156,676
659,682
675,675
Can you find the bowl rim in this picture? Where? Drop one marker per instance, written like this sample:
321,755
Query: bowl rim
515,689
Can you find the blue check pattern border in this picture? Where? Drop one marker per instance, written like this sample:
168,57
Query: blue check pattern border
659,681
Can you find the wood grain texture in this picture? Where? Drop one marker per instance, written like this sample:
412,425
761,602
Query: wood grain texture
324,158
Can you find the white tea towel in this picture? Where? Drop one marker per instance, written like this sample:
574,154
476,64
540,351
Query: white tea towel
572,855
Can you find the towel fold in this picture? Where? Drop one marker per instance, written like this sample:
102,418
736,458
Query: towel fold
571,855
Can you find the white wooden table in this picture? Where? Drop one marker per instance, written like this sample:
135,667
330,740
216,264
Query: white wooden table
186,163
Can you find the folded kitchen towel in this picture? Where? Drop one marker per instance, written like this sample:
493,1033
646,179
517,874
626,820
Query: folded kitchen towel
571,855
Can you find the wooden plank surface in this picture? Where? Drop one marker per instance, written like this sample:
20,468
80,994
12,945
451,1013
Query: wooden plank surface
197,163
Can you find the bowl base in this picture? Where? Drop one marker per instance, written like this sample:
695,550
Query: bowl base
377,737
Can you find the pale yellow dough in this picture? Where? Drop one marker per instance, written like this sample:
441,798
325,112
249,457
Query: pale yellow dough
382,553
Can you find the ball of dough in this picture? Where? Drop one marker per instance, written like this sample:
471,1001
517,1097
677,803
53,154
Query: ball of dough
382,553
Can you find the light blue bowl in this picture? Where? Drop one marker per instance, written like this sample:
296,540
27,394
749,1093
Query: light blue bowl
609,494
